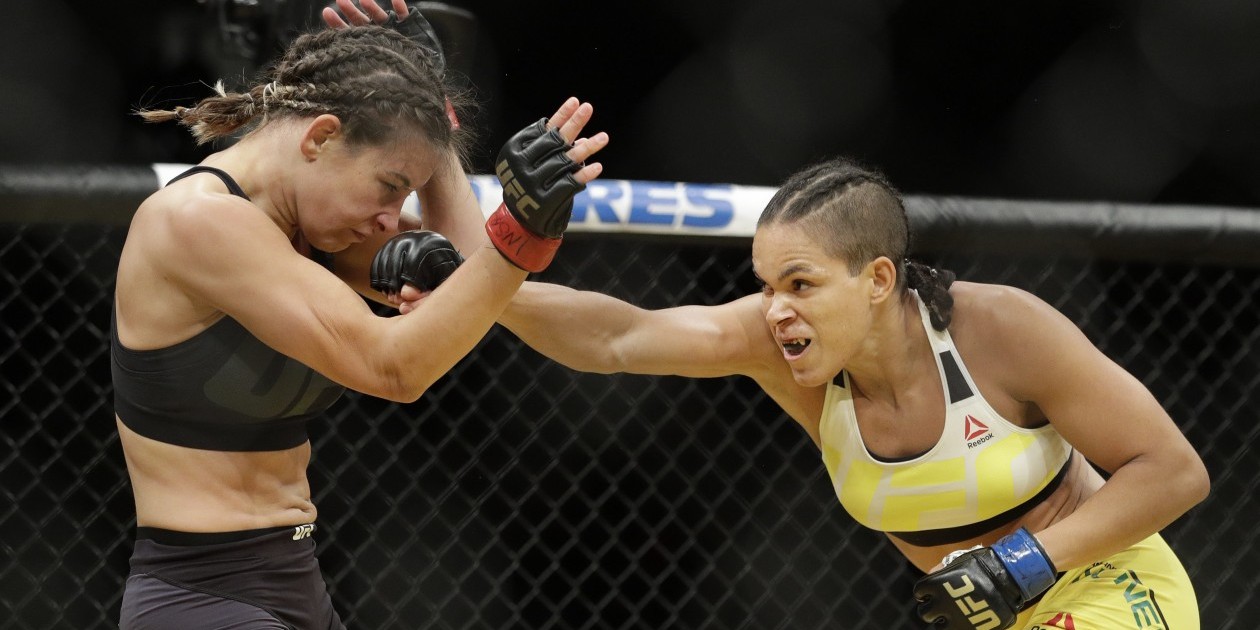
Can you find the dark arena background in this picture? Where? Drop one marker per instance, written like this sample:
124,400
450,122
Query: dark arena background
1102,155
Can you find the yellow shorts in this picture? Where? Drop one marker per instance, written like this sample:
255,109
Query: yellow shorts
1143,587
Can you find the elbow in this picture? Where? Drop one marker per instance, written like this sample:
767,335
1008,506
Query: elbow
1191,481
1199,480
405,394
374,360
394,384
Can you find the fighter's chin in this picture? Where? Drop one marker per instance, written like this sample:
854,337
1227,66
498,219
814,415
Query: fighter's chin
810,378
333,245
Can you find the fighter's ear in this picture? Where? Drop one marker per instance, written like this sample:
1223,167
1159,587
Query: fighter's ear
319,131
883,275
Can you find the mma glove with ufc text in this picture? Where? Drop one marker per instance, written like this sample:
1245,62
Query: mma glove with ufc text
420,258
538,191
984,588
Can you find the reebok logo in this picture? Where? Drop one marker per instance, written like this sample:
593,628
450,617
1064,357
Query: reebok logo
974,428
976,432
302,531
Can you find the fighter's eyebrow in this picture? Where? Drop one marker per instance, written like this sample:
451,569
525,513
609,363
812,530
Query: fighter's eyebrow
794,268
403,178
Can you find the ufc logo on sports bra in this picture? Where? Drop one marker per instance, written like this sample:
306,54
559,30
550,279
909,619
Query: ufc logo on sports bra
261,383
302,531
977,611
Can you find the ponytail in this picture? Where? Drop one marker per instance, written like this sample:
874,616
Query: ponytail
214,117
933,288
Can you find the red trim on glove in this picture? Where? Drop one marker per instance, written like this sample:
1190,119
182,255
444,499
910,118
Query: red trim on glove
520,246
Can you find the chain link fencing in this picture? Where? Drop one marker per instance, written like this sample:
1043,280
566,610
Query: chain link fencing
519,494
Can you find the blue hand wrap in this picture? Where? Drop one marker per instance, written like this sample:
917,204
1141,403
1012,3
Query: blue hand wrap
1027,562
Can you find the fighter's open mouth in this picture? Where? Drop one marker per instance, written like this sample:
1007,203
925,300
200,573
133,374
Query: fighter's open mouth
795,346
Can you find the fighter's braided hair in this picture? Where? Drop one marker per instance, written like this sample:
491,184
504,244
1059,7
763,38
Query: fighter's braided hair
377,81
860,217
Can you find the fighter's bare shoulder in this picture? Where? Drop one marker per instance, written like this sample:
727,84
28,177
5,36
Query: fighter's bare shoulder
187,209
1011,333
999,311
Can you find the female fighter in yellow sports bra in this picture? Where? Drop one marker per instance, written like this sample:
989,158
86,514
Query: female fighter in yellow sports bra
983,472
968,421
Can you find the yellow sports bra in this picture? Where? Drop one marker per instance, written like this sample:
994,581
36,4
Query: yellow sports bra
982,473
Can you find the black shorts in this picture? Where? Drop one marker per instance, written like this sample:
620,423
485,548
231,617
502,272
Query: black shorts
265,579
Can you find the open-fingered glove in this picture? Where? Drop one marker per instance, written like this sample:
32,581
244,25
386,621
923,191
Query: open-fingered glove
986,587
538,189
418,28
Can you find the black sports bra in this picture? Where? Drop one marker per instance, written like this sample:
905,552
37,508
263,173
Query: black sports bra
222,389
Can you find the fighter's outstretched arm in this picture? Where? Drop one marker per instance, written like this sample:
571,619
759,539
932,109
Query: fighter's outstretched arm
593,332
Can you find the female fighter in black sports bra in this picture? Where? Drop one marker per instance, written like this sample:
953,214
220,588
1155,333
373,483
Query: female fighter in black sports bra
229,335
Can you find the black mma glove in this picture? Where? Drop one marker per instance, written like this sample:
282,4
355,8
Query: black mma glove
419,30
538,190
985,588
416,27
417,257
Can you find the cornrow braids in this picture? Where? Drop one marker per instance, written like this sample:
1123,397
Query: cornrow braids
858,217
356,69
933,288
855,211
323,62
377,81
360,35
